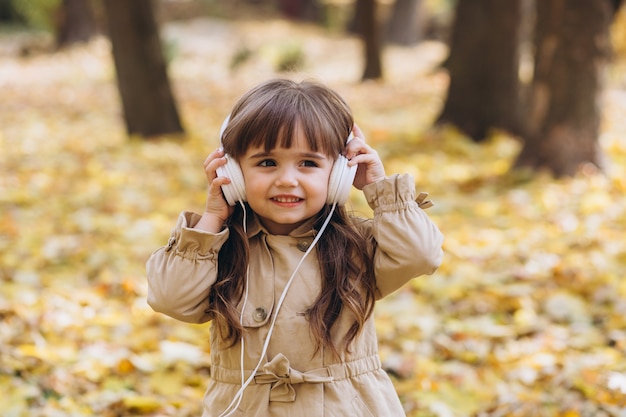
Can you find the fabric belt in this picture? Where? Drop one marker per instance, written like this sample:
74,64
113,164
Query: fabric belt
281,376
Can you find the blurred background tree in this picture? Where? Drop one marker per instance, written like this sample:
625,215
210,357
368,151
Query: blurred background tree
483,65
406,23
559,126
149,105
572,47
553,108
71,21
368,28
306,10
75,22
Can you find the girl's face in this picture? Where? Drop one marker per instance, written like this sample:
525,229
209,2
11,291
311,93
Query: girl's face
286,186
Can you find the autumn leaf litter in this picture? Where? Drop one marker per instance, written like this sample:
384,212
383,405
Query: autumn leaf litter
525,317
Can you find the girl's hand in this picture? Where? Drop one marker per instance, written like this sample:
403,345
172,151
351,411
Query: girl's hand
217,209
370,167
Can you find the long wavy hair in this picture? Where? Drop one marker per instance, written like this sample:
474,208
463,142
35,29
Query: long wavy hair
268,116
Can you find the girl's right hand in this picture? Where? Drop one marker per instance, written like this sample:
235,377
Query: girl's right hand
217,209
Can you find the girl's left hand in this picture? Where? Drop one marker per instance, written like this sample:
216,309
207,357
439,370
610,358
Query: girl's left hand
370,167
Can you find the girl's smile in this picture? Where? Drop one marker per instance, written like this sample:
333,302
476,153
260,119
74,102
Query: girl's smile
286,186
287,200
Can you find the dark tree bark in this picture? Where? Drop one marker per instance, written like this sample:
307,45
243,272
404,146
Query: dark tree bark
616,4
572,45
368,29
7,11
75,22
406,24
357,19
483,65
306,10
149,106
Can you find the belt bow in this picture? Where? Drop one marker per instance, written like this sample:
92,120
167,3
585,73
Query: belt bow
282,376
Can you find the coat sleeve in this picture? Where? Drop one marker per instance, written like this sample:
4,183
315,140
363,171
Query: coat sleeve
181,273
408,243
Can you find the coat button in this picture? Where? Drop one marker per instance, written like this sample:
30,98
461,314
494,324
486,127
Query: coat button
303,245
259,315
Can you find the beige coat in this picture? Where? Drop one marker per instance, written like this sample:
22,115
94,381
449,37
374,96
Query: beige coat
292,381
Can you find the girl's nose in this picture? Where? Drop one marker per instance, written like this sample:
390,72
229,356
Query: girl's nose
287,177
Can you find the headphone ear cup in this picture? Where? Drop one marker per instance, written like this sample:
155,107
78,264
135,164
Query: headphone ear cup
340,181
235,192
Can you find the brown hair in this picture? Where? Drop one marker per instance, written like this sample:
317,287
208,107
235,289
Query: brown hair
267,116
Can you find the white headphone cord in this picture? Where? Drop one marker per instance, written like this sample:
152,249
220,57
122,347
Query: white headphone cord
239,395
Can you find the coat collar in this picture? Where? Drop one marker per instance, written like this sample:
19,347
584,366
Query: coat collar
254,227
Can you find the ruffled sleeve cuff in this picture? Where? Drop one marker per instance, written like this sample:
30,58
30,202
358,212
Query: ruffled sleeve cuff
194,243
393,193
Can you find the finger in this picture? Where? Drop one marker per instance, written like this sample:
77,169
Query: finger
362,158
211,167
218,153
358,133
358,148
216,184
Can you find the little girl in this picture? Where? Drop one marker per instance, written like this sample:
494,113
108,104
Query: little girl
293,335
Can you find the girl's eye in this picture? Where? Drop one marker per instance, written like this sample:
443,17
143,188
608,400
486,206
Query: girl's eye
310,164
267,163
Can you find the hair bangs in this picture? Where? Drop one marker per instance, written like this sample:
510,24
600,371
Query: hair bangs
272,114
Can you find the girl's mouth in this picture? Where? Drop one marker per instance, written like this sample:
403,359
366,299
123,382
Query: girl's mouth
280,199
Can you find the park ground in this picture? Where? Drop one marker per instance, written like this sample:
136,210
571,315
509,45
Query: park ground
526,316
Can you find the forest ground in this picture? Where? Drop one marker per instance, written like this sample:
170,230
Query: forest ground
526,316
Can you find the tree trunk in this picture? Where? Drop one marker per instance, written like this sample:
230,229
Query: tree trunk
370,33
405,27
75,22
306,10
357,19
483,66
572,45
616,4
149,106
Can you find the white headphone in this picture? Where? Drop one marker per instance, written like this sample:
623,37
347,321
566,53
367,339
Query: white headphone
339,182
